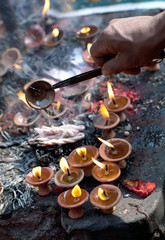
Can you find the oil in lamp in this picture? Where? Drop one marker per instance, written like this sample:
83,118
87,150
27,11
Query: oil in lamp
73,199
115,150
105,172
39,177
116,103
87,55
87,33
82,158
106,121
55,110
105,197
53,37
68,177
10,57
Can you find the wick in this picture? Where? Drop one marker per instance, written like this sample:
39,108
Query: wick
107,122
75,199
106,170
68,172
39,178
34,89
114,102
105,194
84,157
114,151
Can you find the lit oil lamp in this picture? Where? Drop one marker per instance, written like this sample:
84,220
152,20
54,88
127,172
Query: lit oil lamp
35,36
82,158
10,57
73,199
106,121
39,177
105,197
115,150
56,110
27,117
87,33
53,37
68,177
105,172
116,103
87,55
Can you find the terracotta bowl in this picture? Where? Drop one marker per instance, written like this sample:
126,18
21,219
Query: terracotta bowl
88,37
88,58
10,57
35,36
77,176
106,206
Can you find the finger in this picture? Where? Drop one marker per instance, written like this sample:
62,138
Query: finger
133,71
113,66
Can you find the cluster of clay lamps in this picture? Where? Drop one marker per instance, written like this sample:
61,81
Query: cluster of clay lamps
82,158
39,177
9,58
106,121
68,177
116,103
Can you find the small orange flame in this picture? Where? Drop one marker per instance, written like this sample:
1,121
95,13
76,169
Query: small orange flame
101,165
103,111
110,91
46,7
37,172
64,165
76,191
102,194
82,152
17,66
85,30
57,104
21,95
89,45
106,143
55,32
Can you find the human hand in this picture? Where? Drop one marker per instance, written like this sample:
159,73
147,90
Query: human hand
127,44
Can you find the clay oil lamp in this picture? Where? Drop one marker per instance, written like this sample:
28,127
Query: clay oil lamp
73,199
54,37
106,121
35,36
87,33
82,158
87,56
56,110
10,57
39,177
105,172
68,177
27,117
105,197
116,103
115,150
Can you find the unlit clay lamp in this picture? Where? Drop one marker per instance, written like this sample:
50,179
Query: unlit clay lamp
82,158
106,121
73,199
68,177
105,197
35,36
87,33
10,57
56,110
39,177
54,37
116,103
115,150
105,172
87,56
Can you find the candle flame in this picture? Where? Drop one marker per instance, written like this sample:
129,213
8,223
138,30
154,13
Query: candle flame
76,191
106,143
46,7
102,194
55,32
82,151
17,66
21,95
37,172
85,30
57,104
103,111
110,91
89,45
101,165
64,165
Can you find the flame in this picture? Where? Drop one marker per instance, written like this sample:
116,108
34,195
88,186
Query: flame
85,30
17,66
21,95
82,151
55,32
76,191
106,143
101,165
46,7
64,165
110,91
58,104
103,111
37,172
89,45
102,194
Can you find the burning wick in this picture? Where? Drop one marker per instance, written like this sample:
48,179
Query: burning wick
34,89
111,94
109,145
105,194
37,173
115,104
102,194
69,176
65,168
82,151
76,193
106,170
